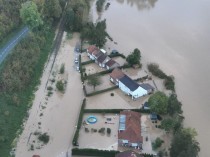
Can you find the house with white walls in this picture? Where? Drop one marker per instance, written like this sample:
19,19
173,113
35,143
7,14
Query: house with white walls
130,87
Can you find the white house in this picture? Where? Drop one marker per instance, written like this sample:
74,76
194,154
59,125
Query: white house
130,87
90,50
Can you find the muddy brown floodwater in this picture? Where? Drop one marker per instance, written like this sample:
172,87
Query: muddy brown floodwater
176,35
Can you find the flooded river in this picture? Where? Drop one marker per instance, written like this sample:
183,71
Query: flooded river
176,35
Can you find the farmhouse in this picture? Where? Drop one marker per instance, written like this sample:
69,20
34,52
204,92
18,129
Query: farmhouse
111,64
116,75
129,132
130,87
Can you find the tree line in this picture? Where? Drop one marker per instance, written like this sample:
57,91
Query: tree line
22,69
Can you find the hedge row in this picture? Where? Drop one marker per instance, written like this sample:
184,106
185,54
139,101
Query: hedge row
94,152
168,80
116,111
109,71
79,123
99,153
141,78
100,91
117,55
88,62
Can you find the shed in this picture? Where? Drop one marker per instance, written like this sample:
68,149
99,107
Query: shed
153,116
147,87
111,64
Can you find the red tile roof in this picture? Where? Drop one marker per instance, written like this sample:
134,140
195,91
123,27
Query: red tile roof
117,74
91,48
132,131
97,53
111,62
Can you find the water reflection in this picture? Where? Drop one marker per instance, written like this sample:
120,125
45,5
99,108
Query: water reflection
140,4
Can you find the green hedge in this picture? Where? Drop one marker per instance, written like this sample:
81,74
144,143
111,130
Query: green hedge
156,71
101,91
117,55
113,110
99,153
88,62
94,152
79,123
141,78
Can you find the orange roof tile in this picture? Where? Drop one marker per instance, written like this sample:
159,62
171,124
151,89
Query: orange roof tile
132,131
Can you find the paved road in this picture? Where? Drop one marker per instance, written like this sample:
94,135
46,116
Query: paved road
4,51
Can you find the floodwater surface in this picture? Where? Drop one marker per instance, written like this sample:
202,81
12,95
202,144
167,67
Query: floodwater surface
176,35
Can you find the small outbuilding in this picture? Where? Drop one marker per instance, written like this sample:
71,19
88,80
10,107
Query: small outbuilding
102,59
147,87
153,116
111,64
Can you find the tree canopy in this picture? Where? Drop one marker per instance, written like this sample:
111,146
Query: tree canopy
93,80
52,9
184,144
96,33
9,19
158,103
134,57
30,15
174,106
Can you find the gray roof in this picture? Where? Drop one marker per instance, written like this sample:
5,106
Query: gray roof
146,86
101,58
128,82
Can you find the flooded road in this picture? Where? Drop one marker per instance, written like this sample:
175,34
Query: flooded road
176,35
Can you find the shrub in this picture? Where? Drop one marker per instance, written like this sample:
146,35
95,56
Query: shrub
155,70
99,5
49,93
44,138
102,130
108,130
62,69
60,86
112,94
49,88
158,142
169,83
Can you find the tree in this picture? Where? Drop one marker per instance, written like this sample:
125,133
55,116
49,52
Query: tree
93,80
99,5
70,18
174,106
134,57
184,144
168,124
30,15
96,33
52,9
158,103
158,142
